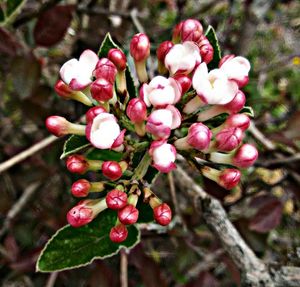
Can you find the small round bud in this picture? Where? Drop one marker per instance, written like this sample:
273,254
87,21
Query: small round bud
162,214
105,69
63,90
77,164
93,112
116,199
199,136
228,139
184,81
128,214
57,125
191,30
237,103
81,188
241,121
80,214
112,170
206,49
102,90
163,50
118,58
140,47
118,233
229,178
136,110
245,156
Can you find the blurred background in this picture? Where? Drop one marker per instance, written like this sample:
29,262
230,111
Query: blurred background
37,37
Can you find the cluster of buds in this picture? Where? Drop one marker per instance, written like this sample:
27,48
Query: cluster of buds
184,96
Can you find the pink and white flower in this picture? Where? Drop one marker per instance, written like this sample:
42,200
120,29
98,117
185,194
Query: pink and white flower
183,58
161,92
78,73
163,156
213,87
104,132
162,121
236,69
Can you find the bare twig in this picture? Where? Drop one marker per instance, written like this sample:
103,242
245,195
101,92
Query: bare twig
281,161
136,21
18,206
123,268
51,280
27,153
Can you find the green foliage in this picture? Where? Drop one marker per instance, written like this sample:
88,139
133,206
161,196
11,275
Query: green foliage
74,144
75,247
212,38
98,154
12,7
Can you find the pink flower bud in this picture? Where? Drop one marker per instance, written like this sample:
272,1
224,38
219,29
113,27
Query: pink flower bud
140,47
63,90
163,156
191,30
77,164
78,73
184,81
206,49
228,139
81,188
162,214
241,121
93,112
245,156
57,125
236,69
102,90
105,69
237,103
116,199
176,32
119,140
118,233
163,50
183,58
112,170
80,215
199,136
162,121
128,214
118,58
103,131
161,92
136,110
229,178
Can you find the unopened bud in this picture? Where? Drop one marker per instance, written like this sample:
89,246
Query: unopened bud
116,199
236,104
117,57
118,233
81,188
112,170
245,156
77,164
128,215
241,121
199,136
140,47
229,178
106,69
102,90
162,214
136,110
163,50
228,139
191,30
93,112
206,49
184,81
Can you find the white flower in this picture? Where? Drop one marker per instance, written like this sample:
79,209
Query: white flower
161,92
78,73
183,58
104,131
213,87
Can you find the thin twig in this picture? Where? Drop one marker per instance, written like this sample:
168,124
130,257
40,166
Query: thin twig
18,206
281,161
51,280
136,21
27,153
123,268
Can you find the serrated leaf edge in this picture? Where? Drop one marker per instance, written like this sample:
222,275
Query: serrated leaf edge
64,154
216,39
37,269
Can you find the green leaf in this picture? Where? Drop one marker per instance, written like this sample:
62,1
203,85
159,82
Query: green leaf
13,5
248,111
75,247
212,38
145,212
98,154
74,144
130,84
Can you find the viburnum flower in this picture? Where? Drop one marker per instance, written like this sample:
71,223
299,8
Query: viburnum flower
162,121
183,58
85,211
104,132
213,87
163,156
161,92
78,73
236,69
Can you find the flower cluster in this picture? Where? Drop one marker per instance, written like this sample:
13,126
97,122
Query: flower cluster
172,114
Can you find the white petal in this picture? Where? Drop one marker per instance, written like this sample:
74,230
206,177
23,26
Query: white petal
236,68
88,61
163,116
69,70
159,81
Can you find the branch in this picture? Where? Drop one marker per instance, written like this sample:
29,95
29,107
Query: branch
27,153
254,271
